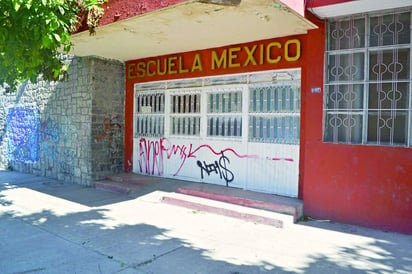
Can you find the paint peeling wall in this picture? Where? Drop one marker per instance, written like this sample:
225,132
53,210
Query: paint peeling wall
122,9
47,128
117,10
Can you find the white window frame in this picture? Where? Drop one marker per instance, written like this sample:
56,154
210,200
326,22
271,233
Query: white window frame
169,115
147,113
365,110
279,114
212,85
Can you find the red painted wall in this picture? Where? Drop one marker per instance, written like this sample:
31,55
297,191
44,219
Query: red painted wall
358,184
116,10
121,9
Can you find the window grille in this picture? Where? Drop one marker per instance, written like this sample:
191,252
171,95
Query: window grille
274,113
367,82
224,113
149,114
261,107
185,114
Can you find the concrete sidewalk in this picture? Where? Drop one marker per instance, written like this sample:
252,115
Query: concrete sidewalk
50,227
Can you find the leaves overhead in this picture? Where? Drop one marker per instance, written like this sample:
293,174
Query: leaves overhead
34,32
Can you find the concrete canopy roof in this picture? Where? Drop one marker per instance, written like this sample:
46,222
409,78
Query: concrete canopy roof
191,25
338,8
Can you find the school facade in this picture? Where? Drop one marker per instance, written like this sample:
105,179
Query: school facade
306,99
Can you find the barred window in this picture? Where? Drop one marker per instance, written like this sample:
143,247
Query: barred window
368,78
274,113
149,114
224,113
185,114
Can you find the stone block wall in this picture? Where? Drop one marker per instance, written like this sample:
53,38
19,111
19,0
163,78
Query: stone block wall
65,130
107,118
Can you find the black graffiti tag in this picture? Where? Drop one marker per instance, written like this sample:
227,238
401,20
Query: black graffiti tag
218,167
225,172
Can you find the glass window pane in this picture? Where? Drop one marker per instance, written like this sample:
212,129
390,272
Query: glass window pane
347,34
148,125
343,128
346,67
388,95
392,29
274,113
150,103
225,102
149,116
185,114
387,127
188,103
274,98
389,65
344,96
188,126
387,80
274,129
224,126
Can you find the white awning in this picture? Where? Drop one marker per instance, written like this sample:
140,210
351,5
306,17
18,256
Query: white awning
356,7
191,25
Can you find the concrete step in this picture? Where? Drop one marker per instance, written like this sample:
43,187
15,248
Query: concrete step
218,199
124,182
131,178
268,202
229,210
115,186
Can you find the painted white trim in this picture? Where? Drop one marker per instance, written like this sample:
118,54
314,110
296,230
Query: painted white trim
356,7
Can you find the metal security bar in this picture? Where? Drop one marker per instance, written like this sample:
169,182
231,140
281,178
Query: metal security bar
185,104
262,107
368,80
149,114
150,103
224,113
274,113
227,102
224,125
272,129
149,125
185,113
185,125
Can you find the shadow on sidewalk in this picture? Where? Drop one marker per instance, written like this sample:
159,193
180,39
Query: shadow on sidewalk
79,194
94,220
151,249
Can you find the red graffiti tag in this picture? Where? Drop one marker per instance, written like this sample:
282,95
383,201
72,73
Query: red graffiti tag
191,154
110,128
152,154
280,159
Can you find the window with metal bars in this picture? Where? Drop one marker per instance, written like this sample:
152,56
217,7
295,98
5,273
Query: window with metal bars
274,113
185,114
224,113
149,114
367,96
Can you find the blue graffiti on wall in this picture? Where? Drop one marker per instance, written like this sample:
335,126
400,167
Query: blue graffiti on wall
53,139
23,134
49,131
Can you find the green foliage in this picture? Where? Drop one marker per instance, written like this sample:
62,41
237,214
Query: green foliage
34,32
